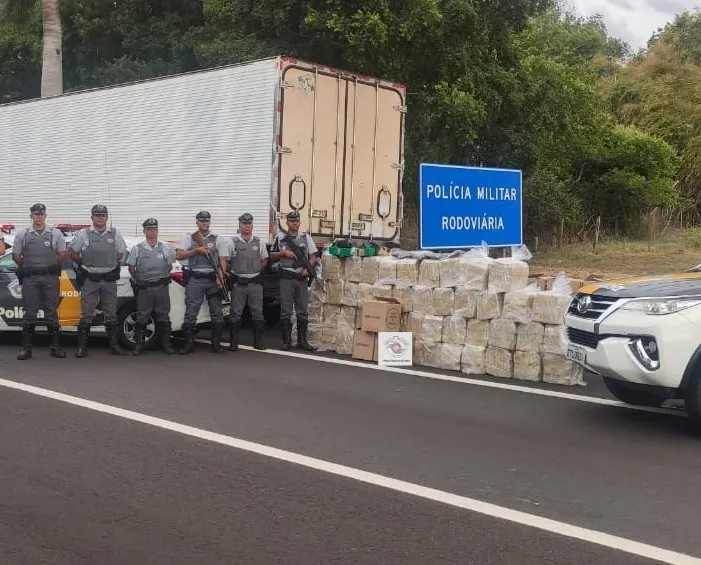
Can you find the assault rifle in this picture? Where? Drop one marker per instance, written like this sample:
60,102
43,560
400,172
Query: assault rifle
198,238
301,256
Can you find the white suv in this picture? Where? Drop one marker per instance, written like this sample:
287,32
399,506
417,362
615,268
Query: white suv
643,336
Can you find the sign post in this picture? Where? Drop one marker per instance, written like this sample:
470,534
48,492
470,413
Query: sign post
460,207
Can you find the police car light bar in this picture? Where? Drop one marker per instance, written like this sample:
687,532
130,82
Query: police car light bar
7,228
70,228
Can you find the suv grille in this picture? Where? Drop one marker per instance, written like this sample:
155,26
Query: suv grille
587,339
599,304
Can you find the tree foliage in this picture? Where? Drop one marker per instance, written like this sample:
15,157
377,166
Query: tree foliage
509,83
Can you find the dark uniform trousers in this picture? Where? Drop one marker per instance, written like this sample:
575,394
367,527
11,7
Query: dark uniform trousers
154,299
41,292
98,292
243,293
200,286
294,294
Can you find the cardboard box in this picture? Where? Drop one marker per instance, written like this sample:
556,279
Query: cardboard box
576,284
364,346
381,315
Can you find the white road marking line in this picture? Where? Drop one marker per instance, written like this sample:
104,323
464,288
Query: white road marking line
464,380
487,509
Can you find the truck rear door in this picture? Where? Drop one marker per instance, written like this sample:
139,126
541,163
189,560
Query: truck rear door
341,152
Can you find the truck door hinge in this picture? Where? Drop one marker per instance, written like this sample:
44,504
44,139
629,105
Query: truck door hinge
280,150
401,109
398,166
285,84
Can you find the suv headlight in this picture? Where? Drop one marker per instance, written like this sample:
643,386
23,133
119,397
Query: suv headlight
660,307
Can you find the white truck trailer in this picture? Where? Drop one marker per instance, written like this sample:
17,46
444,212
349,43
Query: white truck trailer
264,137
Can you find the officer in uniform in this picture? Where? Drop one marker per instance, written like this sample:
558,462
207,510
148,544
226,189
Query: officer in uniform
294,290
248,257
39,251
202,281
2,243
98,252
150,263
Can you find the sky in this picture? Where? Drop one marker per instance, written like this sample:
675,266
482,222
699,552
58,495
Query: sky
633,21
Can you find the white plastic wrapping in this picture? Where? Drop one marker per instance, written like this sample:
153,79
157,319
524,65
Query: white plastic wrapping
370,270
413,323
443,300
518,306
422,300
473,360
508,275
499,362
407,271
345,329
478,333
332,267
561,371
528,366
354,269
365,292
449,356
489,306
329,327
452,272
529,337
502,334
431,328
386,269
334,292
315,313
552,340
476,268
382,290
454,330
429,273
404,294
350,294
465,303
427,353
549,307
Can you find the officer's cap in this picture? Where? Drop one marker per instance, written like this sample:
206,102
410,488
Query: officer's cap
294,215
38,209
203,215
150,223
246,218
98,209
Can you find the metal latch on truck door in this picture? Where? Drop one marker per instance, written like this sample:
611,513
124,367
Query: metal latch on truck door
319,213
294,202
384,210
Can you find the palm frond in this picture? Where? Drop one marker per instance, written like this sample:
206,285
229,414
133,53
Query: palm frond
17,11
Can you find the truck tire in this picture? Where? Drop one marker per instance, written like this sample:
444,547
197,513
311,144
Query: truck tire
632,394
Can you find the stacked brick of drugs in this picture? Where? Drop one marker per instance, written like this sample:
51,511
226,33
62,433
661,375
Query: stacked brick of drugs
467,312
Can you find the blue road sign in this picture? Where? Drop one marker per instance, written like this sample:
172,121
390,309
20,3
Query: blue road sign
461,207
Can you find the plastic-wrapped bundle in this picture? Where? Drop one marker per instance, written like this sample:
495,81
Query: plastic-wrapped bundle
431,328
477,264
365,292
382,290
489,306
499,362
371,270
315,313
443,301
429,273
354,269
508,275
529,337
413,323
454,330
451,273
334,292
518,305
473,360
332,268
407,271
549,307
329,327
350,294
465,303
386,270
502,333
404,294
561,371
527,366
345,329
477,333
426,353
449,356
422,300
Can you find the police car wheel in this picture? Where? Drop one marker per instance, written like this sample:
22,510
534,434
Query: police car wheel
126,322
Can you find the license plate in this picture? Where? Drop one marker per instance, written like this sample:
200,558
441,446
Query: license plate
576,354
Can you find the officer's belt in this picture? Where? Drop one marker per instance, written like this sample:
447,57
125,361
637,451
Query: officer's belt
287,274
209,275
48,270
109,276
258,279
158,282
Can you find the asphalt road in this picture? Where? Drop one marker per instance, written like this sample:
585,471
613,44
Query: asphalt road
81,486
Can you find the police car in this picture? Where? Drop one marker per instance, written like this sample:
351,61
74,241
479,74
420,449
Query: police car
12,312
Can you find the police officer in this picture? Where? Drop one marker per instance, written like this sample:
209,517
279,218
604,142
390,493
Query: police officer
294,290
2,243
150,263
98,252
202,281
248,257
39,251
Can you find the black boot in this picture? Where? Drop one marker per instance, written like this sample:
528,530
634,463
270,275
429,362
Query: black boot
217,330
26,351
165,329
138,339
258,329
234,328
286,335
83,333
189,347
302,342
114,343
55,348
